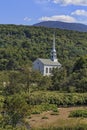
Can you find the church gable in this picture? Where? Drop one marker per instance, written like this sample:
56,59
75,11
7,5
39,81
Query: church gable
37,65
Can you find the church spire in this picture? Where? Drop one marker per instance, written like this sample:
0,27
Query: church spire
54,42
53,52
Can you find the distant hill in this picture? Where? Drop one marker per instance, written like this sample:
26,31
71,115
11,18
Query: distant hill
63,25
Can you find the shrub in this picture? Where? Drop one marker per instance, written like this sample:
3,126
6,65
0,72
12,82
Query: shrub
78,113
59,99
37,109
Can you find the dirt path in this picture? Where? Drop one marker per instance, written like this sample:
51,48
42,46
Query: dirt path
45,119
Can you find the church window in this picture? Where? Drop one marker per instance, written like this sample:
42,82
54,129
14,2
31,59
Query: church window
46,70
50,70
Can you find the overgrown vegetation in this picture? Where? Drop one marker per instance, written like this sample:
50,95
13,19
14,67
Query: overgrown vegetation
24,91
37,109
21,45
59,99
79,113
80,127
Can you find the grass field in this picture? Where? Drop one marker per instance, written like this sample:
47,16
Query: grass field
47,119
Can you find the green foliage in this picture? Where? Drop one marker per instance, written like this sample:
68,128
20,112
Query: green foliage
14,85
75,81
37,109
15,108
81,63
4,78
78,113
9,127
20,45
59,79
64,99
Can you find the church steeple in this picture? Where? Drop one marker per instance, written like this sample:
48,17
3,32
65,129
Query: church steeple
53,52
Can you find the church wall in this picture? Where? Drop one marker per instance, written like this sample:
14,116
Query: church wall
48,69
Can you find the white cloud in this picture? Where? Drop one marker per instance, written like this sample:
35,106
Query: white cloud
27,19
63,18
74,2
79,12
65,2
42,1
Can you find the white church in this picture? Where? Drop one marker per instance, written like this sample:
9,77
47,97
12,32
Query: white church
45,66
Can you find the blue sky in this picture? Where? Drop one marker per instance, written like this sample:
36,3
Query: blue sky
28,12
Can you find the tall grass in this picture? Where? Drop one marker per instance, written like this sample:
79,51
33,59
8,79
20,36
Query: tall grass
80,127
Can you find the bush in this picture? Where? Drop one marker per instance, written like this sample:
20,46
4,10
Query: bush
78,113
37,109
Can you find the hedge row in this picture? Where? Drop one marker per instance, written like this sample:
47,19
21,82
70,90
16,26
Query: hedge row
59,99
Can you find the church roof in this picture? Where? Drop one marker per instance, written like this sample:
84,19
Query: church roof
49,62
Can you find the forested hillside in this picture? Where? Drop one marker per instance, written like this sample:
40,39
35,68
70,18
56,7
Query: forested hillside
21,45
24,92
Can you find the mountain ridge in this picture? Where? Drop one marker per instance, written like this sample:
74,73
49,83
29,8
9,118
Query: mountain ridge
63,25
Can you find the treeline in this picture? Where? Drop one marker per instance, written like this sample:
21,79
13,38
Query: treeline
63,80
21,45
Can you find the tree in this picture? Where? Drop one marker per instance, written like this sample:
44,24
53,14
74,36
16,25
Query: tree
80,63
15,109
78,79
58,78
15,84
15,106
45,83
